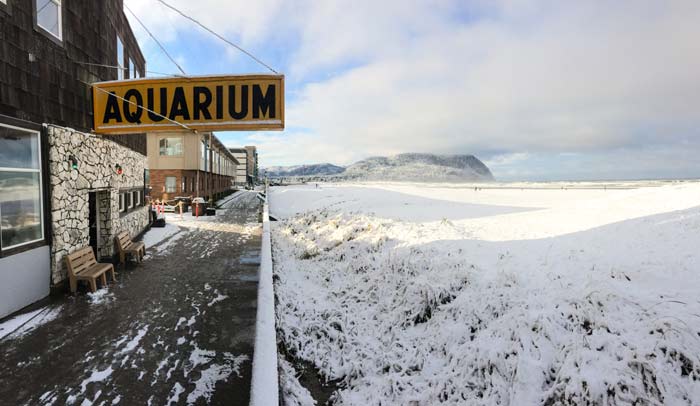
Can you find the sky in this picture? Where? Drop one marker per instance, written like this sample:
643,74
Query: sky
537,89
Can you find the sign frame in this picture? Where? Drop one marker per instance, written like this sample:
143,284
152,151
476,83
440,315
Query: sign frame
124,105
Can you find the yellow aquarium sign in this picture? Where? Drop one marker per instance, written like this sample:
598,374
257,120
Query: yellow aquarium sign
203,103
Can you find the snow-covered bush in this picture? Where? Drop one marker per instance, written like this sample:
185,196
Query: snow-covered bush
403,321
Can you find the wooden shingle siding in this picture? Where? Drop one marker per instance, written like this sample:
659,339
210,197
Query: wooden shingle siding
48,89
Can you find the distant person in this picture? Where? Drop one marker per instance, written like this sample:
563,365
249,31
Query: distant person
154,213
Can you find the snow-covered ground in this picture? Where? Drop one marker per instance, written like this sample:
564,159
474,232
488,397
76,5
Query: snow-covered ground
520,294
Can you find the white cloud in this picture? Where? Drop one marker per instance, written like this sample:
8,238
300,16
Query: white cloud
508,159
471,76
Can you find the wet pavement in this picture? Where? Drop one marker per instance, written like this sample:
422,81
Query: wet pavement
177,329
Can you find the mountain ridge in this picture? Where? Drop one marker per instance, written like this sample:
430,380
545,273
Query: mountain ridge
302,170
402,167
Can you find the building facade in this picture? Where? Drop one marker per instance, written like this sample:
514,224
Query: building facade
247,173
252,164
61,187
241,155
189,165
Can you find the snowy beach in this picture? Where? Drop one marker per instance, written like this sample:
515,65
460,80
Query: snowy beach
512,294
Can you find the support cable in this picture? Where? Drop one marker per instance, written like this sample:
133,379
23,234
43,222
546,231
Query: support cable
162,48
122,68
145,108
219,36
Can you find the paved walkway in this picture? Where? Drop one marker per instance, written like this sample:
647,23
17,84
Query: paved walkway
177,329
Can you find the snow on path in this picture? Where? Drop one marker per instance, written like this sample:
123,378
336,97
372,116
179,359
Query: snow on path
214,373
134,342
175,394
592,299
185,369
100,296
219,297
96,376
157,234
24,323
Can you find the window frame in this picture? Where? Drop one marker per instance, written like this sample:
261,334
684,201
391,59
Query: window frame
130,200
203,156
174,186
42,194
165,138
121,73
58,38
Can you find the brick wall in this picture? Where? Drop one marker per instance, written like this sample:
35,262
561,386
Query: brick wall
194,188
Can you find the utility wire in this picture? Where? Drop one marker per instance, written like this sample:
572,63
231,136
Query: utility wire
156,40
140,106
219,36
123,68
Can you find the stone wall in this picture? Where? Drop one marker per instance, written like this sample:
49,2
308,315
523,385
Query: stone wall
96,157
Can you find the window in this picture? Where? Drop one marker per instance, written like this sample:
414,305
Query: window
48,17
129,200
184,184
21,205
120,59
171,146
203,160
170,184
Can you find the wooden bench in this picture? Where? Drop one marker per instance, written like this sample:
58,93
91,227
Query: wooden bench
127,247
82,266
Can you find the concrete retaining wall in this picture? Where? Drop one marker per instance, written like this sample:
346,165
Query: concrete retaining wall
265,382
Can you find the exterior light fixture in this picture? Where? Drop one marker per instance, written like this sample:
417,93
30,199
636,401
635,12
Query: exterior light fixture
73,162
118,169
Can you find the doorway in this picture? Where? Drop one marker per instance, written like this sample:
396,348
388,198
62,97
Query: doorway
93,223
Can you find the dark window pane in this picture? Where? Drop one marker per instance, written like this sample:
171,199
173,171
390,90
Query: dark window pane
18,149
20,208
